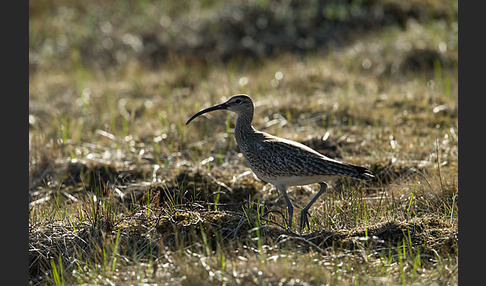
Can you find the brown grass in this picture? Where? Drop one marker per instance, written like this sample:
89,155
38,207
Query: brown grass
123,192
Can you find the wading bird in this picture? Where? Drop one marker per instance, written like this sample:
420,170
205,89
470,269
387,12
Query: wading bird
283,162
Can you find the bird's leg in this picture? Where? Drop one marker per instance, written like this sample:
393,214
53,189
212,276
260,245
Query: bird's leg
290,207
304,221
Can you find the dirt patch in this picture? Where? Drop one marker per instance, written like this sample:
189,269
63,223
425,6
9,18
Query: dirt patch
429,236
93,177
390,171
212,189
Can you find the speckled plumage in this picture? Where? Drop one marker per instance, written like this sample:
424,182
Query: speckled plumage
283,162
271,158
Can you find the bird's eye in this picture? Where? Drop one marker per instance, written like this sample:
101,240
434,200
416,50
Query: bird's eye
238,101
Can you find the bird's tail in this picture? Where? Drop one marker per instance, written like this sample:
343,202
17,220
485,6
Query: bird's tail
351,170
363,173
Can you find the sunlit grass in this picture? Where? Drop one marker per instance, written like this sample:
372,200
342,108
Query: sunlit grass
122,191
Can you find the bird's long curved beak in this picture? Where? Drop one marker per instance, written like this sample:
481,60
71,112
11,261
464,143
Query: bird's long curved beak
216,107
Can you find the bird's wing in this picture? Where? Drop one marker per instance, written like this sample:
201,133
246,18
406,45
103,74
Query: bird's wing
282,157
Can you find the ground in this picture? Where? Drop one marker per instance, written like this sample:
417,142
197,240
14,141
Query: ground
121,191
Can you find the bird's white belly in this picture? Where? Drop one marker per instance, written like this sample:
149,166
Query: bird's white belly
293,180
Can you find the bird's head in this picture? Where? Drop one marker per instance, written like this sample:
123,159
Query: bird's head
239,104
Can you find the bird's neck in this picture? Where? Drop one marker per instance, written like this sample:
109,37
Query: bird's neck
243,126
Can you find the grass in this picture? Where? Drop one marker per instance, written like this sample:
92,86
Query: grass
123,192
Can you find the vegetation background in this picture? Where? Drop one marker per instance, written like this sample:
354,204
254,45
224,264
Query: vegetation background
121,191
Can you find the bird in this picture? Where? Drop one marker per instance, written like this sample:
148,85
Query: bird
283,162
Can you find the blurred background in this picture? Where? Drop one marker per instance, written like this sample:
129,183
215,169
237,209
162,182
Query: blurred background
141,68
110,33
